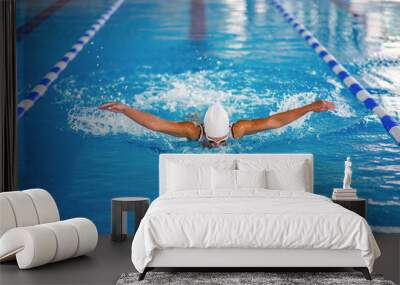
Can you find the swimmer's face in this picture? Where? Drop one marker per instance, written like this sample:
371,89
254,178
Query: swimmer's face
217,142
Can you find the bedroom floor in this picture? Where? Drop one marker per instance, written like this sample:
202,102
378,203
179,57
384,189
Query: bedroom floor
110,260
104,266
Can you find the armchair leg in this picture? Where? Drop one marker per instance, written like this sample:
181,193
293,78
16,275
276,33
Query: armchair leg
364,271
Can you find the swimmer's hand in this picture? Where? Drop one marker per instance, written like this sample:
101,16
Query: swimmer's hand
114,107
321,106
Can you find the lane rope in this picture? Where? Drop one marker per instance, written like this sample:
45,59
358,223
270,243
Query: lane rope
40,89
389,123
33,23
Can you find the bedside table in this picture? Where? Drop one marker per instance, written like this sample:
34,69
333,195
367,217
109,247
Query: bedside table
358,205
119,208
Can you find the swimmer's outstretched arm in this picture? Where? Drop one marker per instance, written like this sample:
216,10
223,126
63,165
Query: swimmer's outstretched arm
247,127
154,123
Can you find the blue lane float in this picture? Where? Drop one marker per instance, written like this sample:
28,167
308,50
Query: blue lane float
388,122
40,89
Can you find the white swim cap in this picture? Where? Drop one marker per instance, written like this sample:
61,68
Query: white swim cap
216,121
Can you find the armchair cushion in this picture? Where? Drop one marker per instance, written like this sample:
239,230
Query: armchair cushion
40,244
7,220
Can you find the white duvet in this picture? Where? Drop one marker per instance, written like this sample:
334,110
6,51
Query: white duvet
253,218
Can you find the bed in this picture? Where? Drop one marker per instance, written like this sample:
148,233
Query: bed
246,211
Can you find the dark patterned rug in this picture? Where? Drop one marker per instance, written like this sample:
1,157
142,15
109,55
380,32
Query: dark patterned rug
273,278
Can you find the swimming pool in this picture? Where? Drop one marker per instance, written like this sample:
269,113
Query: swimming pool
174,58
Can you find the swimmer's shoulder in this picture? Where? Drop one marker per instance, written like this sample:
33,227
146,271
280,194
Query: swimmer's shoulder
237,131
195,131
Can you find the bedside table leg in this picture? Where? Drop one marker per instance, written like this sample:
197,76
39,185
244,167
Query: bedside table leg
124,225
116,222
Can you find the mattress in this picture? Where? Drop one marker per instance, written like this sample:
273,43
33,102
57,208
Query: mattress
251,219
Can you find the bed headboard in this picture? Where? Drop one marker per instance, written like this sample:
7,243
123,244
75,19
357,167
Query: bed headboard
190,157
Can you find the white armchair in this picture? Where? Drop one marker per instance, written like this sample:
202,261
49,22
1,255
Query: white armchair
31,230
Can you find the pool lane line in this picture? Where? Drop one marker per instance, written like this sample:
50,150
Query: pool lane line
29,26
389,123
40,89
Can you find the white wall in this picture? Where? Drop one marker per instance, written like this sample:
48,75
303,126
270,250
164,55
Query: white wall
389,262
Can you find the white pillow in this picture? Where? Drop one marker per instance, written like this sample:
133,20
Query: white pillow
227,179
224,179
293,180
251,178
283,174
181,177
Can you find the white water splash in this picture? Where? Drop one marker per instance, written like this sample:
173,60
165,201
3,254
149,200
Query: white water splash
93,121
343,109
383,203
181,95
197,91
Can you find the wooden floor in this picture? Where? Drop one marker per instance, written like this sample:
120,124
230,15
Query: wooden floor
103,266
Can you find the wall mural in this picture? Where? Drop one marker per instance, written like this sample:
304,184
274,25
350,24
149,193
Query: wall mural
106,86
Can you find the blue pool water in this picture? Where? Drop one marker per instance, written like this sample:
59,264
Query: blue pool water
174,58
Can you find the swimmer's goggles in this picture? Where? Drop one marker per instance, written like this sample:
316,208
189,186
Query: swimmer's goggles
217,143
